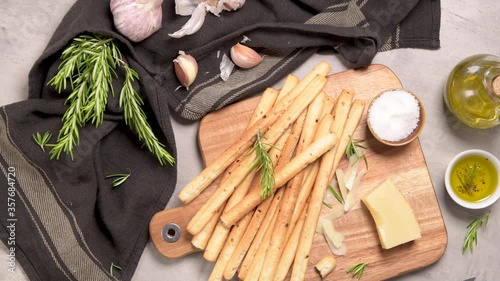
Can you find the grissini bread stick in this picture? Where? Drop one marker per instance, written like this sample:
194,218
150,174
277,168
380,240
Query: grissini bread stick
328,106
310,172
251,233
200,240
291,246
234,238
258,260
220,232
291,82
259,236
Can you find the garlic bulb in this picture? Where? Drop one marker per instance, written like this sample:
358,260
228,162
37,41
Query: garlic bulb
186,69
245,57
136,19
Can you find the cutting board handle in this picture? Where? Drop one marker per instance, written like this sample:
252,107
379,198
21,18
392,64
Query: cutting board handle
168,233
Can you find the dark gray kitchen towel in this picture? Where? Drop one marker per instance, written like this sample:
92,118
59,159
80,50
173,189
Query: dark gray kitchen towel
62,220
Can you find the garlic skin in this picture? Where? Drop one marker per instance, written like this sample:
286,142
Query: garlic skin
136,19
185,7
226,67
194,23
198,9
186,69
244,57
232,5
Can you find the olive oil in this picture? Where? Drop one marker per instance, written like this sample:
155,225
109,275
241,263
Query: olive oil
474,178
472,91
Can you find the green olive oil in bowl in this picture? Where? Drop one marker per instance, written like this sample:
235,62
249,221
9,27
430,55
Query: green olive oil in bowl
472,179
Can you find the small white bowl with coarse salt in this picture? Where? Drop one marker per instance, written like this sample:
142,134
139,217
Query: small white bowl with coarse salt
396,117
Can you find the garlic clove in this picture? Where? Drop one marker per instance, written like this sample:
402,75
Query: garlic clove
186,69
245,57
136,19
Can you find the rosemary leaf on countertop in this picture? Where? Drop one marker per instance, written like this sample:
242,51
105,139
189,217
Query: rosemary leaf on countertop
471,236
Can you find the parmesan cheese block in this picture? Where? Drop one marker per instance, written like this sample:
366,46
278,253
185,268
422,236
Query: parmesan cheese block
394,217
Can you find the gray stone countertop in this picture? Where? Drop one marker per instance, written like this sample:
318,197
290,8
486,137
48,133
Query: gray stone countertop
467,28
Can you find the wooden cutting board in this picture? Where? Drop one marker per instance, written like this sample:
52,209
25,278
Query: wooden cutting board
405,165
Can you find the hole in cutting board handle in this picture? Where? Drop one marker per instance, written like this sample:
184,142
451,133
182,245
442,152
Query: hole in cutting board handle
171,232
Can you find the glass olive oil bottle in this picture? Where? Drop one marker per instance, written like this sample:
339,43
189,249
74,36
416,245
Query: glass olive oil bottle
473,91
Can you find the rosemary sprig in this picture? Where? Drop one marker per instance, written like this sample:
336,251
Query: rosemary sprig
358,270
337,196
89,64
135,118
119,179
353,149
467,181
112,267
264,163
471,236
42,141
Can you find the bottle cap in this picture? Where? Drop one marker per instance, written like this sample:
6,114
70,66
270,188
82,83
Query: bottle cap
496,85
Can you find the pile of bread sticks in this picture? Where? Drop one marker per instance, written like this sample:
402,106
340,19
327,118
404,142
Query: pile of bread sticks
307,132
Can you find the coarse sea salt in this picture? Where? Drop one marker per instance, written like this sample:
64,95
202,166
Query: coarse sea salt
394,115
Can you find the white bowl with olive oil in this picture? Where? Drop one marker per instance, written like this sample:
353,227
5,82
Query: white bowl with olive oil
472,179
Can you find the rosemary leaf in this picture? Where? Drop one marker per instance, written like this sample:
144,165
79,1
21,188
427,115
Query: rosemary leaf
119,179
69,135
353,149
358,270
42,141
467,181
135,118
328,205
471,236
112,267
337,196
